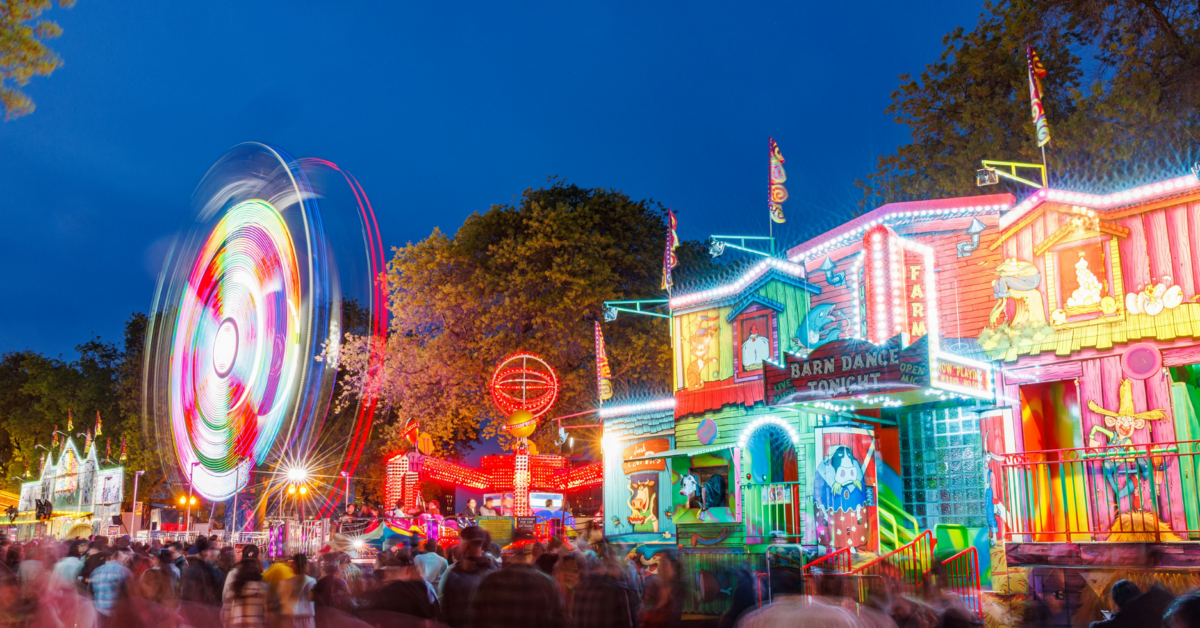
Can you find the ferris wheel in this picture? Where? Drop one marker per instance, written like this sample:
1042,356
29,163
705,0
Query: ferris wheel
276,260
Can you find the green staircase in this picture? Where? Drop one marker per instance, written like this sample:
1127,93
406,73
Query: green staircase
896,526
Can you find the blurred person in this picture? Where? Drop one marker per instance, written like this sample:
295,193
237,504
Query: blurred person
110,583
1135,609
200,582
67,569
245,601
431,565
795,612
331,589
744,598
1184,612
518,595
352,575
568,572
404,591
279,571
536,550
471,511
296,598
226,559
663,596
489,508
459,584
546,562
15,611
607,596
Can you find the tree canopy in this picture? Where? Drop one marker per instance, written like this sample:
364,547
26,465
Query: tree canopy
532,276
1121,98
23,51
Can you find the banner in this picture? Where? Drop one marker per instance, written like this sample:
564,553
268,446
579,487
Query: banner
1036,73
776,193
669,259
603,371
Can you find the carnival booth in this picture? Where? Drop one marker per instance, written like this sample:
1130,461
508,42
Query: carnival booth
74,495
530,487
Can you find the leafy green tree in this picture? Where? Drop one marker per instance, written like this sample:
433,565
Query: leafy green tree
23,51
529,276
1121,97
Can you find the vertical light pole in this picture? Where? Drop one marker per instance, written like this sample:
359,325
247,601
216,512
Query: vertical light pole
236,490
346,499
191,478
136,476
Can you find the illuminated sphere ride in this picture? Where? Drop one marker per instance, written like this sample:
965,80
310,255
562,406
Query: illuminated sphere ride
524,382
275,262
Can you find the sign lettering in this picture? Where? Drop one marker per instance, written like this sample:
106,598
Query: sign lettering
644,448
845,368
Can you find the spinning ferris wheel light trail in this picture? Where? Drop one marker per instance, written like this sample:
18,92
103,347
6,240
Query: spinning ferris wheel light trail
242,349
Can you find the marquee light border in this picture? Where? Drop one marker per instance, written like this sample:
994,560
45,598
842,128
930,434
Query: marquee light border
748,431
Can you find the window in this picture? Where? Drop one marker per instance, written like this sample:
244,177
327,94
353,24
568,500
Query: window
1083,281
756,340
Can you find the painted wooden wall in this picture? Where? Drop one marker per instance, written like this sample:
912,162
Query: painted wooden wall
616,492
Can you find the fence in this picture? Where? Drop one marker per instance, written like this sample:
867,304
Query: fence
962,579
772,512
1119,493
905,568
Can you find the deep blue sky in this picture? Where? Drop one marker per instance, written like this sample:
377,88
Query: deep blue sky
440,111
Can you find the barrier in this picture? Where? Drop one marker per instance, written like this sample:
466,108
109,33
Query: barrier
962,579
904,568
772,512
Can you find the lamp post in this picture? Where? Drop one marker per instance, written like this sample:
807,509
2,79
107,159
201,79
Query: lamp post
346,498
236,489
136,476
191,478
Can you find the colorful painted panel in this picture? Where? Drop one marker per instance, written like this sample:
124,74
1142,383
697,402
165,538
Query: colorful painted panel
637,495
704,349
844,490
704,487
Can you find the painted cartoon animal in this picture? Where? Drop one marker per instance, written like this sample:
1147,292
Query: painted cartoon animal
643,503
1018,281
711,493
819,326
703,331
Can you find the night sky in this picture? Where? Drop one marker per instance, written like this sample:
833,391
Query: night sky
439,111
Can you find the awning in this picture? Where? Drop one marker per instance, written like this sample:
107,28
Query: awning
686,451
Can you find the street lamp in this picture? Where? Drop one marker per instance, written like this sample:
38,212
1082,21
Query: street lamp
236,490
136,476
346,499
191,500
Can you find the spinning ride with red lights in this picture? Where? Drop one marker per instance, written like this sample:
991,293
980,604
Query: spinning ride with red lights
525,387
277,259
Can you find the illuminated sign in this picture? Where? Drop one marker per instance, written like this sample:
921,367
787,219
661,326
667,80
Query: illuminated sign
644,448
963,376
848,368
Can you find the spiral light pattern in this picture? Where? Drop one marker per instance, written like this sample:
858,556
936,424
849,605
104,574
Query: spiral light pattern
236,348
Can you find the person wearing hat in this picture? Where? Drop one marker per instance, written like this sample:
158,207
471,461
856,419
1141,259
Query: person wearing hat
1123,423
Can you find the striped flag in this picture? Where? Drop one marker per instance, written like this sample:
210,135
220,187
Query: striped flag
776,194
669,259
603,370
1037,72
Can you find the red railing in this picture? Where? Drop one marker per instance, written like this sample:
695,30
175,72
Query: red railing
962,579
1120,493
904,568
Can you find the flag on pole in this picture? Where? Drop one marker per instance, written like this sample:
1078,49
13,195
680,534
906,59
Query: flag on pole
1037,72
124,451
70,423
669,259
54,438
97,423
603,370
776,192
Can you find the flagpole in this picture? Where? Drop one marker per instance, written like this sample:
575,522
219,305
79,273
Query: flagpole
1045,169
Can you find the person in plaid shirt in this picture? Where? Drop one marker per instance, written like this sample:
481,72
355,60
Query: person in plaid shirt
110,582
245,603
518,595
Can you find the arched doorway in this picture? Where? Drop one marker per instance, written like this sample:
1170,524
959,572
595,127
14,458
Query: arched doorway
770,478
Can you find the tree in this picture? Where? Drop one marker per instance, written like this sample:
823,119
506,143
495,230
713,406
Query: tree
1121,97
23,52
529,276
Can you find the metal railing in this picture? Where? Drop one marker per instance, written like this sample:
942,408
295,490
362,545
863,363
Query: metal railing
904,568
1117,493
962,579
773,512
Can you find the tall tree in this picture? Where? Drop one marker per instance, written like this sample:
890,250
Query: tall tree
528,276
1121,96
23,51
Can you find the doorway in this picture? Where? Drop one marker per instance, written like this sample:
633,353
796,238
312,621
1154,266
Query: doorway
1052,480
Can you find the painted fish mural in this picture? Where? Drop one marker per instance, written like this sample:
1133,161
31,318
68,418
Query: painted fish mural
819,326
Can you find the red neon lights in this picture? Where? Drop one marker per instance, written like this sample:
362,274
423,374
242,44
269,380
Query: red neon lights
524,382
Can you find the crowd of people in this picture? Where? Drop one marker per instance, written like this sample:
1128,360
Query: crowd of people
98,584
